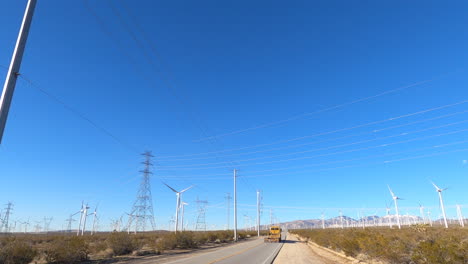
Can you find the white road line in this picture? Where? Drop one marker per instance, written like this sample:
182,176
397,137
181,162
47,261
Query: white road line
276,251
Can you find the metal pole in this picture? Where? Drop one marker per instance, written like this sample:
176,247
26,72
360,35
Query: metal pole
258,213
13,70
235,206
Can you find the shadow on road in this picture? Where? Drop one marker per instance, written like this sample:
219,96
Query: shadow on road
290,241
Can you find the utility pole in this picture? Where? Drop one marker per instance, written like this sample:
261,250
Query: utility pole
235,205
258,213
13,70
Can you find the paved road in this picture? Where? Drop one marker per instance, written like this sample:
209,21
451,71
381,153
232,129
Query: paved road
255,251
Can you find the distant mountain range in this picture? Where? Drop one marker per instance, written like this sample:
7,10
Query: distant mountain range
347,221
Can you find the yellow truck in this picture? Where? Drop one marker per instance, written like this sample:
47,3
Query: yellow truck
274,235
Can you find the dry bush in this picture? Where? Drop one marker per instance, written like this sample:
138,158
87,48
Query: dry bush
122,243
419,245
67,250
16,251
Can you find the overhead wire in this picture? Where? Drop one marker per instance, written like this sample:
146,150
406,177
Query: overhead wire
331,147
324,133
253,174
324,109
325,140
166,79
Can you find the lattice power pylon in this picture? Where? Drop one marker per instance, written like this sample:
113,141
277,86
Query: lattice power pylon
143,206
201,222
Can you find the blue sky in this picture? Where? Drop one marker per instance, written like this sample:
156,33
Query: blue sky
208,85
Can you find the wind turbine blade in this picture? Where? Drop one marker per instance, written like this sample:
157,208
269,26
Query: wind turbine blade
170,187
186,189
393,195
437,187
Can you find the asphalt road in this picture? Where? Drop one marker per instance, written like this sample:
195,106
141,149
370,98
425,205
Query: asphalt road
251,252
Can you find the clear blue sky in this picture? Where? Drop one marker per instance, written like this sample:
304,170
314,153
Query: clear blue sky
224,67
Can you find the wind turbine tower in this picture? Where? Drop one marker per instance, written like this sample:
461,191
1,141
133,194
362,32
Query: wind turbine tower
323,221
395,198
178,204
460,216
84,216
143,206
387,208
421,211
439,191
183,213
95,218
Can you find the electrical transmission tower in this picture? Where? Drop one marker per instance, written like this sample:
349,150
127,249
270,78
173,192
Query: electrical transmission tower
69,223
201,222
5,221
47,222
143,206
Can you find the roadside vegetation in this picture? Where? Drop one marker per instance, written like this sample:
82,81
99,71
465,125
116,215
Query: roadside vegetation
70,249
418,244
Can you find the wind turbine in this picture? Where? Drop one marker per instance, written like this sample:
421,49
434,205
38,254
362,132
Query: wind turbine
81,218
460,216
387,208
439,190
323,220
395,198
421,211
183,210
94,220
84,216
178,194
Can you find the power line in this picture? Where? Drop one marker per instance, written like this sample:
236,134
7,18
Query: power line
254,175
199,166
324,109
325,133
80,115
325,140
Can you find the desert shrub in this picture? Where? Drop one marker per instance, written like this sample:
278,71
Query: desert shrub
417,244
350,247
185,240
165,242
122,243
67,250
16,251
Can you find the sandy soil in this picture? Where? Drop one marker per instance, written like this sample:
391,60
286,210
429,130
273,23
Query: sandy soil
297,251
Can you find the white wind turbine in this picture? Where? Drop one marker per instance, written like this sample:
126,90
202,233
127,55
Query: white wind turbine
81,218
183,211
460,216
178,195
85,216
421,211
395,198
389,220
95,218
439,190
